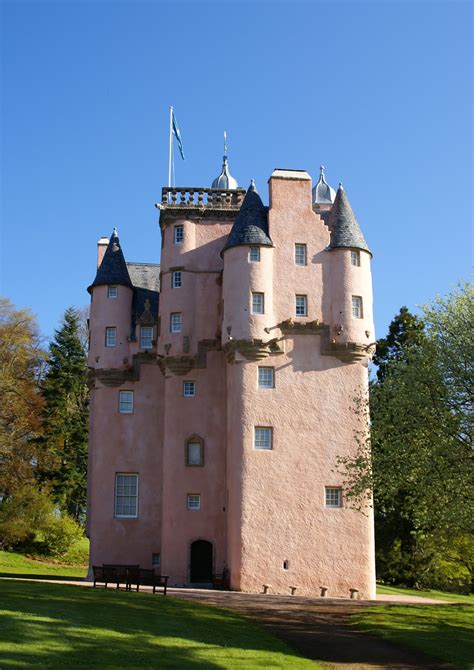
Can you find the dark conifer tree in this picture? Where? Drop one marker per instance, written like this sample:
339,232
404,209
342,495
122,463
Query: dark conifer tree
405,330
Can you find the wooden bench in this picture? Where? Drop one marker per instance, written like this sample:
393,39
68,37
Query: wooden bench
145,577
112,574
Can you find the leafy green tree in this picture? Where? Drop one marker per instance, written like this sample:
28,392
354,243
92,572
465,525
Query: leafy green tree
405,330
65,418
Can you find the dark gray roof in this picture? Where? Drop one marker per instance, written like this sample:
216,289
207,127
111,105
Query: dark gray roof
251,225
113,269
345,230
146,283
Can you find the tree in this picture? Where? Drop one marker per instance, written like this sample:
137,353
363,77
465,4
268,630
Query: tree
65,418
21,362
421,469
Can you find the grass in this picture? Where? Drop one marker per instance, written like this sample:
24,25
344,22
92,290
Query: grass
438,595
440,631
62,626
19,565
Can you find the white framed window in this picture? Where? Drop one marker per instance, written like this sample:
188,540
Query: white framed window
126,495
126,402
176,322
176,279
258,303
300,254
301,305
146,337
194,501
112,291
333,496
263,437
189,389
178,234
254,254
266,378
357,307
110,336
194,454
355,258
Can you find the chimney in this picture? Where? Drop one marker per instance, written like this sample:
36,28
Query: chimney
102,245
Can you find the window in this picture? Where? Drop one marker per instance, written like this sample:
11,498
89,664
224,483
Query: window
333,497
176,322
126,402
156,560
258,305
194,501
146,337
300,254
189,389
266,378
357,307
126,496
301,305
355,258
263,438
176,279
112,291
178,234
254,254
194,451
111,336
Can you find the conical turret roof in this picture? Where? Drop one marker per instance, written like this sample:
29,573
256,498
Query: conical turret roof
345,230
251,225
113,269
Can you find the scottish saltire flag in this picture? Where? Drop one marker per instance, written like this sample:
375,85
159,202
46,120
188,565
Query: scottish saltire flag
177,134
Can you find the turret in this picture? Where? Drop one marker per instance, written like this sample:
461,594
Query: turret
323,194
352,317
248,275
111,305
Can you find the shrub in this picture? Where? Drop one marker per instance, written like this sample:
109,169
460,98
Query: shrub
59,533
21,514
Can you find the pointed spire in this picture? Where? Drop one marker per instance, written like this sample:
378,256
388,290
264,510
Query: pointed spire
251,225
323,194
345,230
113,269
225,180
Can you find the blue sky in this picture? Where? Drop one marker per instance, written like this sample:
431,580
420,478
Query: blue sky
380,92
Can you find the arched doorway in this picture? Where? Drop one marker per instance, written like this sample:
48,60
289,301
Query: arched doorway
201,562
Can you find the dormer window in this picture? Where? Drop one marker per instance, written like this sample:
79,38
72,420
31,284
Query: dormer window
254,255
355,258
112,291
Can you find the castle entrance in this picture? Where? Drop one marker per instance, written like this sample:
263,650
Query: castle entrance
201,562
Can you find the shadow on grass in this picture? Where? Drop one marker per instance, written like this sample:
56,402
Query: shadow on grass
56,626
37,575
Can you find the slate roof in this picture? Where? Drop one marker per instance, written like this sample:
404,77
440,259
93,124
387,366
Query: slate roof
251,224
113,269
146,283
345,230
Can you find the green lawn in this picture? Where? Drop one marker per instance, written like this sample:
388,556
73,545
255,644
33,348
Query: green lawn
12,563
61,626
438,595
441,631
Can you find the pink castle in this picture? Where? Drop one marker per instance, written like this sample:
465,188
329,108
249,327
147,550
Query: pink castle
223,387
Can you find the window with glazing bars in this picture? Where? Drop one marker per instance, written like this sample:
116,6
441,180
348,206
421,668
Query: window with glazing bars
111,336
357,307
194,501
333,496
300,254
176,279
178,234
266,377
254,254
301,305
189,389
146,337
176,322
126,495
263,438
258,303
355,258
126,402
112,291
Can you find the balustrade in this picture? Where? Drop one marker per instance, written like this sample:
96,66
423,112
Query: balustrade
214,198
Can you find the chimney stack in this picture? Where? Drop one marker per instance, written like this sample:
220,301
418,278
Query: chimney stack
102,245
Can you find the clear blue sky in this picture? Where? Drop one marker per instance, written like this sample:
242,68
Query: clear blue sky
380,92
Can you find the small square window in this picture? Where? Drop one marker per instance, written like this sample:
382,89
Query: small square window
146,337
176,279
194,501
112,291
333,496
300,254
266,378
189,389
258,303
126,402
194,453
156,560
178,234
111,336
263,438
355,258
357,307
254,254
301,305
176,322
126,495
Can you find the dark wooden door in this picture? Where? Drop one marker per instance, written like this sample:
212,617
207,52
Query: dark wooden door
201,561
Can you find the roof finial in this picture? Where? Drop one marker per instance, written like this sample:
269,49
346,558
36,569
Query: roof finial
341,186
225,144
115,232
321,170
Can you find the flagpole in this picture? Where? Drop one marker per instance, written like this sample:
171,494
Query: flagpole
171,147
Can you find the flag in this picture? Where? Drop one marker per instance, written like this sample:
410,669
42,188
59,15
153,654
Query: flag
177,134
